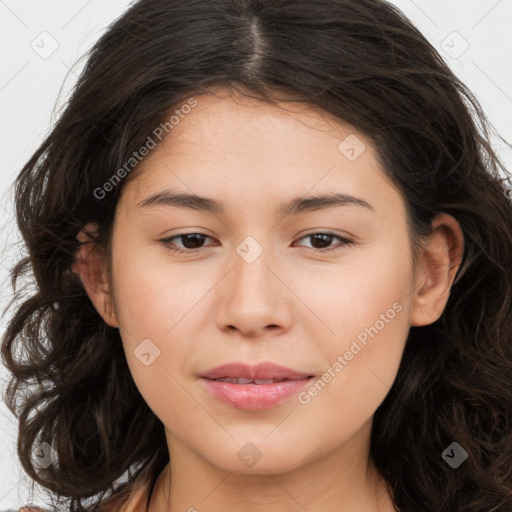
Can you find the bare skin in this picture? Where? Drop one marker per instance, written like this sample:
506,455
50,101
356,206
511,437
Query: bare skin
296,304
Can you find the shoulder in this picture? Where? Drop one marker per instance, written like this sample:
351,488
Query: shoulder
29,508
136,502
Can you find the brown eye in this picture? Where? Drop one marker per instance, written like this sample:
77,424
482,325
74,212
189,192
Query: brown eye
190,242
322,241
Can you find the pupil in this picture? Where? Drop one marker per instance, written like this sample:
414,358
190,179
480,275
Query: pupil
323,235
197,237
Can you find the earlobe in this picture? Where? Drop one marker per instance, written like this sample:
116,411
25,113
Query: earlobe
90,264
438,265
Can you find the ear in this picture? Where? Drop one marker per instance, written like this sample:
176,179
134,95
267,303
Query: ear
90,264
438,265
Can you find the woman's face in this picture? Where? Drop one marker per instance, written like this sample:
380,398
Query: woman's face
258,287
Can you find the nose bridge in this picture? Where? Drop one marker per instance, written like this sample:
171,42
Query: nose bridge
251,275
252,297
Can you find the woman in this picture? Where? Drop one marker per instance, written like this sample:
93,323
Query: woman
191,352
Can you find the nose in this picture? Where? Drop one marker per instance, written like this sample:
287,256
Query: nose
253,298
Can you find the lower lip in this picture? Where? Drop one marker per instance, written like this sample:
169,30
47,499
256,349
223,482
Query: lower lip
255,397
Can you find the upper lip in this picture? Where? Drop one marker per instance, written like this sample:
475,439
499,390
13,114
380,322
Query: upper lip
261,371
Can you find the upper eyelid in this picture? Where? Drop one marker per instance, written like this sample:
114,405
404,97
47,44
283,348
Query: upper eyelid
344,238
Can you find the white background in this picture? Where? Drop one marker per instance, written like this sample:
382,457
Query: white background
30,84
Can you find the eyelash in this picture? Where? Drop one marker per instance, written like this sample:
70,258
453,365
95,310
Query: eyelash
345,242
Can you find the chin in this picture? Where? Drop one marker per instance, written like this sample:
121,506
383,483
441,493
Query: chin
260,457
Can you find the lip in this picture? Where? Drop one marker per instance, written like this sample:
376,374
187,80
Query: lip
254,396
261,371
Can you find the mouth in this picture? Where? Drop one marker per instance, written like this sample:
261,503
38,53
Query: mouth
259,374
259,382
254,387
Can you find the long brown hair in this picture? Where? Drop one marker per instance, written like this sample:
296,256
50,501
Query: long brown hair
360,60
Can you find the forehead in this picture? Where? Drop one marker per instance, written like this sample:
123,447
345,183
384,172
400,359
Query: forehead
234,146
226,113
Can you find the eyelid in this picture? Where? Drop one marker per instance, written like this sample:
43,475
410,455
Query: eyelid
344,241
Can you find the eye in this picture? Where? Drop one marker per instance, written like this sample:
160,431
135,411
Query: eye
325,239
194,241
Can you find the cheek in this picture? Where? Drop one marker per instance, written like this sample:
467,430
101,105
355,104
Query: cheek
154,298
366,309
155,311
356,380
366,288
156,307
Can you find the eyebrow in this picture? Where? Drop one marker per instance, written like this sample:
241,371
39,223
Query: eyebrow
294,207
